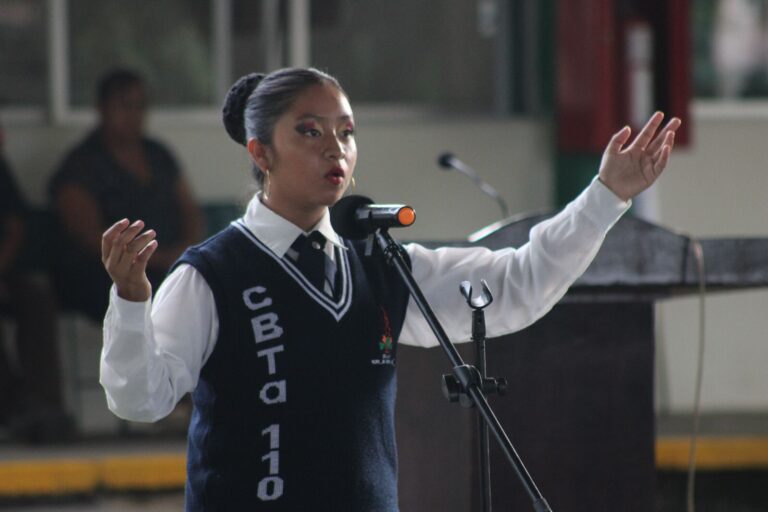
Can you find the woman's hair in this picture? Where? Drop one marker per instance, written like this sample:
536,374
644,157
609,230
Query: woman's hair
256,101
115,82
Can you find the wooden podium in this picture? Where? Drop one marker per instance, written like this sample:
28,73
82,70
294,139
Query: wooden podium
579,407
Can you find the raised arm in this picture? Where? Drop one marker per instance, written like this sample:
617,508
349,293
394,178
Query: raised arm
150,359
527,282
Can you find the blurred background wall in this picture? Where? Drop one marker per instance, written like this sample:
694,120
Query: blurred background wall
474,77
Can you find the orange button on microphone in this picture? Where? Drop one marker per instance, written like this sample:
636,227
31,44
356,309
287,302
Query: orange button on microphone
406,216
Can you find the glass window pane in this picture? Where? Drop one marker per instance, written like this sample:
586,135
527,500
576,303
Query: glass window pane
428,53
730,48
169,42
248,43
22,28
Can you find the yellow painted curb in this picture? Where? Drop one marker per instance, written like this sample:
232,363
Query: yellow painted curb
713,453
58,477
149,472
33,478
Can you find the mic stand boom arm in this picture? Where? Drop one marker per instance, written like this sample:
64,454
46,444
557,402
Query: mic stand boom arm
467,375
486,187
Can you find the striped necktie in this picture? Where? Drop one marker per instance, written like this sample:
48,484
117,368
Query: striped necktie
308,252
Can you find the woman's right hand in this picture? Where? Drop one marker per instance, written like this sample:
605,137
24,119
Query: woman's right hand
125,253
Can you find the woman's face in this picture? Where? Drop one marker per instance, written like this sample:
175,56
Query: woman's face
313,152
123,114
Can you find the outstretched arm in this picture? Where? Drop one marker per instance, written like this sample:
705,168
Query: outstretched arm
525,282
528,281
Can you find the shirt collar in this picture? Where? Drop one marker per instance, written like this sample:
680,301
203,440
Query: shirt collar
278,233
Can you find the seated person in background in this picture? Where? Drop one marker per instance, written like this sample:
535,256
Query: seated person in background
31,403
116,172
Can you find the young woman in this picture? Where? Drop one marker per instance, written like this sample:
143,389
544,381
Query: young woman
292,375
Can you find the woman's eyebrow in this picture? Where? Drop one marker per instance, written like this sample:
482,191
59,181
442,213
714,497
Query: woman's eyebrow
345,117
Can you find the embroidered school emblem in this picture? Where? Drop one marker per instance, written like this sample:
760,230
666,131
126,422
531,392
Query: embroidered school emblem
385,345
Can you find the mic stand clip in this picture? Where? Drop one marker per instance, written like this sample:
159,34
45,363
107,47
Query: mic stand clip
455,386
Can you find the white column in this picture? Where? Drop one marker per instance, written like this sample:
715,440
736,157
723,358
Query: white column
298,33
222,46
58,61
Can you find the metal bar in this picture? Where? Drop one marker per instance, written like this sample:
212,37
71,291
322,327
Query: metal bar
58,60
298,33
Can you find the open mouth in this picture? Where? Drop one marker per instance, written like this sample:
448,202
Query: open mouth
335,176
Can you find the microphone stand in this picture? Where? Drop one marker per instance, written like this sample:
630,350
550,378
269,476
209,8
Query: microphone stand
490,385
469,379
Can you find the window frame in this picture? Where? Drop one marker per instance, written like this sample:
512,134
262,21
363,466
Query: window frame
724,109
57,109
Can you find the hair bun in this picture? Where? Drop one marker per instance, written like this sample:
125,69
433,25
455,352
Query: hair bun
233,111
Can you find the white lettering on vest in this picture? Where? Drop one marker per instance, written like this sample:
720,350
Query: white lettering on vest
279,389
253,306
273,431
265,327
274,461
270,488
269,353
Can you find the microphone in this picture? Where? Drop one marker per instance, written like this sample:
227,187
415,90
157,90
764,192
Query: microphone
356,217
446,161
449,161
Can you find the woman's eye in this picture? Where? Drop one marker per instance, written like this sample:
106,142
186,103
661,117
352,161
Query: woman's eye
308,130
348,132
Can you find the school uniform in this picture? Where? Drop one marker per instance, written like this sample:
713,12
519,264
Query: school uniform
293,384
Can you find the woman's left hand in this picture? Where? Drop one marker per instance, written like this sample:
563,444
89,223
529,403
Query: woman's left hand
628,171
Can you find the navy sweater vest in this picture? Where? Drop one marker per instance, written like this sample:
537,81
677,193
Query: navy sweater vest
294,409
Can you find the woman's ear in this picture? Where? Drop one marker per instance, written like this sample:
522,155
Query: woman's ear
258,152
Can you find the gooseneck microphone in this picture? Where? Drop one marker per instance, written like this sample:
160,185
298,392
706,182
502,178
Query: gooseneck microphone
449,161
355,217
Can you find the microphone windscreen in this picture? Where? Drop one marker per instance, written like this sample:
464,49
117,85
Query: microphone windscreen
445,160
343,217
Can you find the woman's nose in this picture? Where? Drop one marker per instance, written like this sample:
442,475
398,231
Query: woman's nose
335,149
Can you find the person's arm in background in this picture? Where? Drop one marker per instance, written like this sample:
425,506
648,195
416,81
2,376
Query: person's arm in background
192,228
12,240
12,207
81,216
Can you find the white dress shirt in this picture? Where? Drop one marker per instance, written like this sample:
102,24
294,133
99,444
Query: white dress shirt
153,351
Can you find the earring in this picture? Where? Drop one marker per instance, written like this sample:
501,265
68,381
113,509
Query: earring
265,185
352,182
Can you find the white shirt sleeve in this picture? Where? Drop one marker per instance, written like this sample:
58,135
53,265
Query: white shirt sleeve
526,282
153,352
